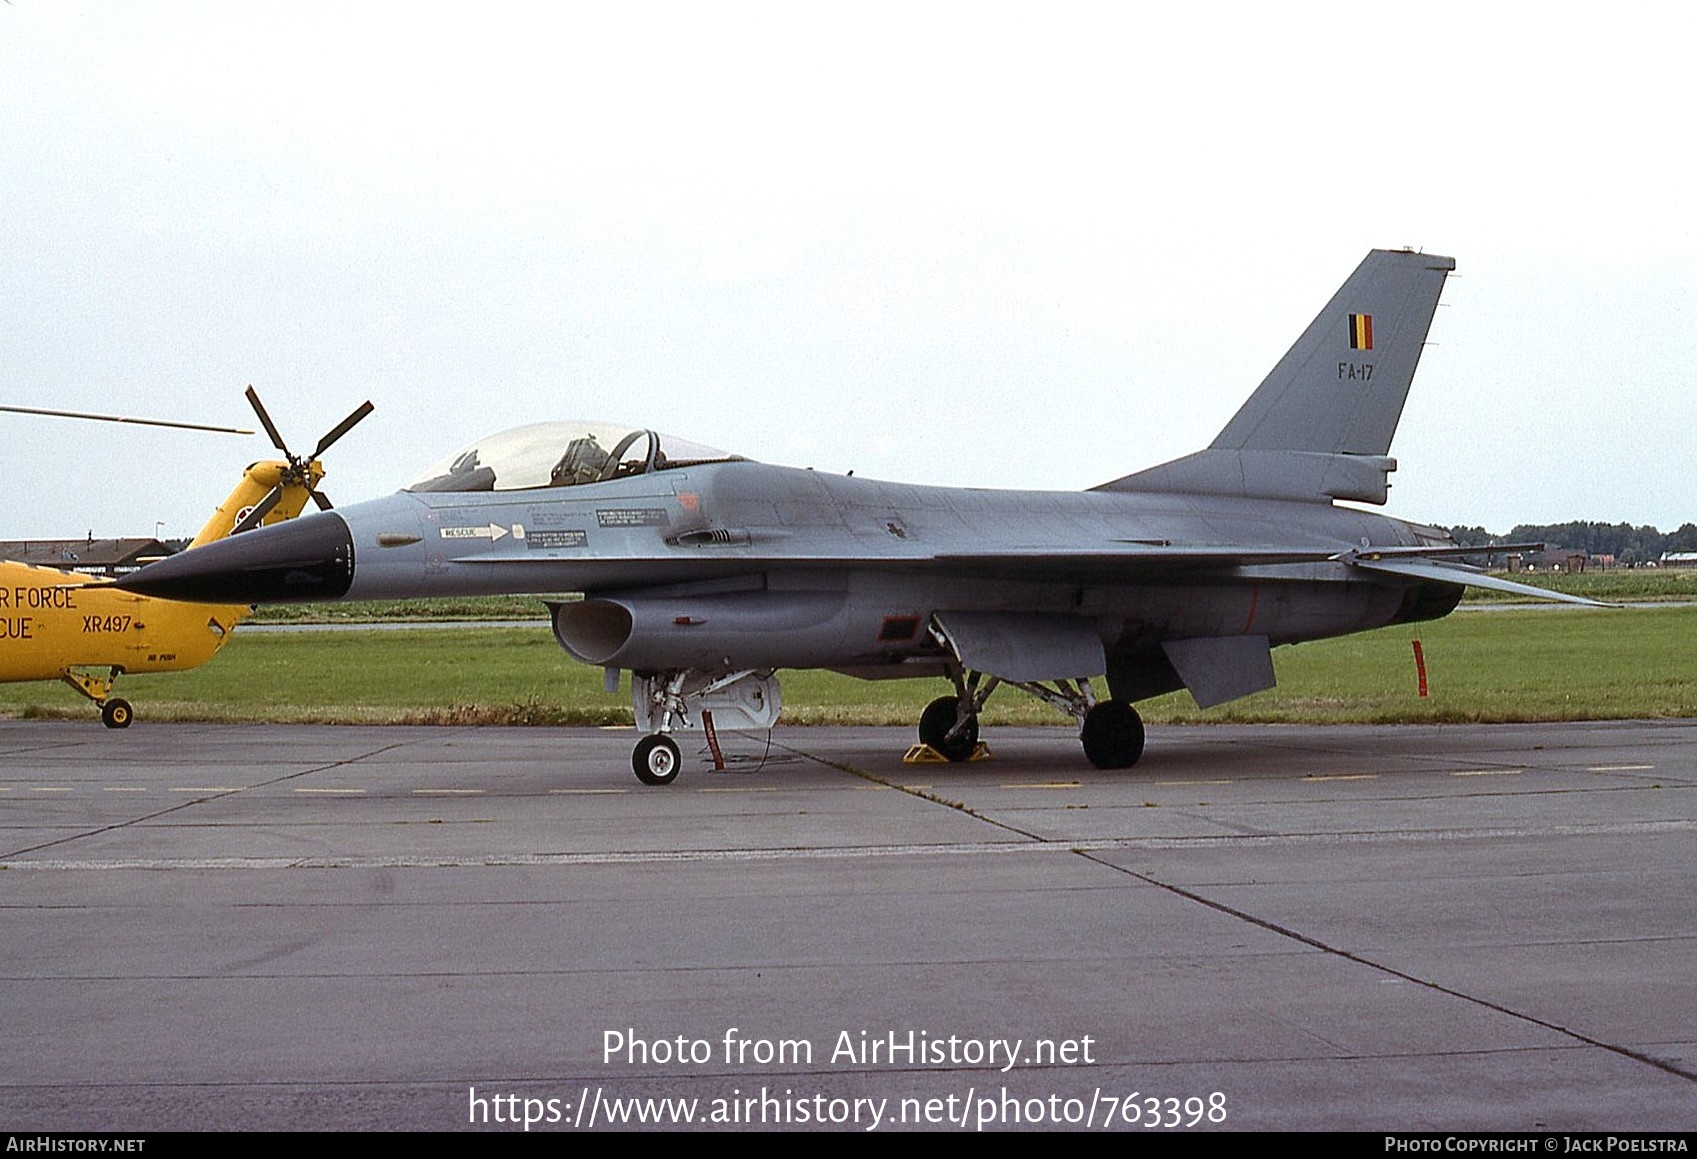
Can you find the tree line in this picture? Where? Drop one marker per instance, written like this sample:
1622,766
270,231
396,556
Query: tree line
1628,544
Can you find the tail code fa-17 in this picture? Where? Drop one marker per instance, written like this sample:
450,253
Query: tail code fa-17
704,573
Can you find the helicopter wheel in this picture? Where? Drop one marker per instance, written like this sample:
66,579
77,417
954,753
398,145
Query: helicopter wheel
116,713
656,760
936,721
1112,735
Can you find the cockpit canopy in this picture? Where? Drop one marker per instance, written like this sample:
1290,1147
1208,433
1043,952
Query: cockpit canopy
565,454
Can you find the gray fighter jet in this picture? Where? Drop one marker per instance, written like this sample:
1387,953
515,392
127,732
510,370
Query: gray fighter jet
703,573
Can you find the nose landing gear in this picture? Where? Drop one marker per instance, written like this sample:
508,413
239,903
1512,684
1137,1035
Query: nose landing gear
679,698
656,760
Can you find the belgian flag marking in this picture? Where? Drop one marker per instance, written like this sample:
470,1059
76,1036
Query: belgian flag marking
1361,331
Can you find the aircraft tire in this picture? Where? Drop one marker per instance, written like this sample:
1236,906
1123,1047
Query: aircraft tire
656,760
1112,735
116,713
935,723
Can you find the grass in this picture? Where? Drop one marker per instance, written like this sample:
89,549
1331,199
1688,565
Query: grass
1617,585
468,608
1504,666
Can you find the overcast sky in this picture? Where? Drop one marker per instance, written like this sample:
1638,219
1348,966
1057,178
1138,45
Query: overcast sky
974,244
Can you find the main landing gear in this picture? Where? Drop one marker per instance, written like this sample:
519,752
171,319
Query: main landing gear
1112,735
948,730
1110,730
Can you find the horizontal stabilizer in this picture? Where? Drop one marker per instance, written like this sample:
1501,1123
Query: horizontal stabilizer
1425,569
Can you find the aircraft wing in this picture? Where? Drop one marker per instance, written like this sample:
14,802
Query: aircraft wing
1132,559
1121,560
1111,561
1128,559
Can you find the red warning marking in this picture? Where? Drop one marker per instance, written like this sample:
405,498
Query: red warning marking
1420,666
712,741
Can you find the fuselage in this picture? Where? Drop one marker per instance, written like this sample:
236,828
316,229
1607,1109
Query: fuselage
730,518
743,565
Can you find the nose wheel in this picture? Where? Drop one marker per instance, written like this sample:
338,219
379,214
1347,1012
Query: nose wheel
656,759
116,713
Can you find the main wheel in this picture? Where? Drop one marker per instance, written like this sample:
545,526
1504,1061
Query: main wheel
1112,735
656,759
936,721
116,713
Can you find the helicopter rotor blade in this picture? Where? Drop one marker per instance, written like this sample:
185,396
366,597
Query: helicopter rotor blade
342,428
260,511
72,414
299,471
265,420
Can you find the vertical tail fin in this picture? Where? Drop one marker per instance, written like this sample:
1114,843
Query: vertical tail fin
1341,388
1319,427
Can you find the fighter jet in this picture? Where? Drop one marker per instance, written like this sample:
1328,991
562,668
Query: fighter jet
703,573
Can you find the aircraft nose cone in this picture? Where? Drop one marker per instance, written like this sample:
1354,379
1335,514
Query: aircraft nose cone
305,559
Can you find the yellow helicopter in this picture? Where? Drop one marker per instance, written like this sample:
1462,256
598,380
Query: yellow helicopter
63,625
